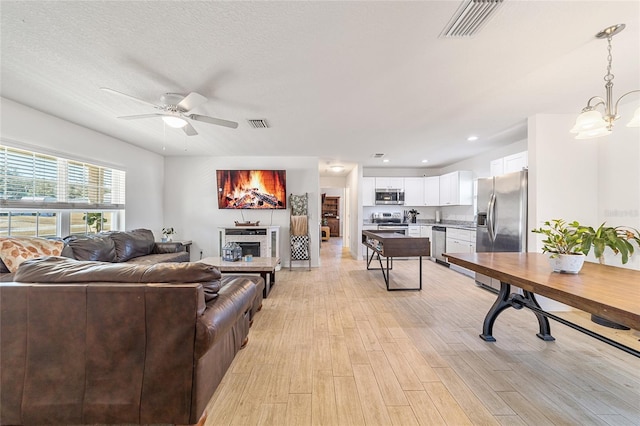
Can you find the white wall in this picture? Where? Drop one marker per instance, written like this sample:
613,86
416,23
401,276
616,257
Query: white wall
591,181
28,128
563,173
354,186
191,205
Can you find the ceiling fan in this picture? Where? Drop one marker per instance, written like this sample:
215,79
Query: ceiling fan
174,110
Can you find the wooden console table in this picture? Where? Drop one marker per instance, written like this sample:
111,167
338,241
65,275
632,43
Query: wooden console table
265,266
606,291
390,244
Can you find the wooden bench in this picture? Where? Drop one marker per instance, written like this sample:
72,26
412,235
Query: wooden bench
606,291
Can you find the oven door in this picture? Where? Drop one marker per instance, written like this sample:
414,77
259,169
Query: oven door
395,228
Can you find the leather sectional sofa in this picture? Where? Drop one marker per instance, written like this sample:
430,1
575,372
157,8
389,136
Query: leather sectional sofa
85,342
136,246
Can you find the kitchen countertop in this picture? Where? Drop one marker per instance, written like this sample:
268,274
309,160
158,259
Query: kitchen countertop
469,226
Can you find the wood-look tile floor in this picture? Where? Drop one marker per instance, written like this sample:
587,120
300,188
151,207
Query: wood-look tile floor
332,347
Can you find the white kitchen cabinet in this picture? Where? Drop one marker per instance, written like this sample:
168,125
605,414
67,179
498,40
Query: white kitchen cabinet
414,191
432,191
389,183
497,167
414,230
461,241
510,163
456,189
516,162
368,191
425,231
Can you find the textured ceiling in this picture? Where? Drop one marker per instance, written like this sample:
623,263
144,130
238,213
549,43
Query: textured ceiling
335,80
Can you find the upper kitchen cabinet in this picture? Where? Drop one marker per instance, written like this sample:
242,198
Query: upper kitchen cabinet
389,183
497,167
368,191
456,189
432,191
414,191
516,162
510,163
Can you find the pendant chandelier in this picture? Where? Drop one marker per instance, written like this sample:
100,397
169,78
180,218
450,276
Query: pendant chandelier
591,123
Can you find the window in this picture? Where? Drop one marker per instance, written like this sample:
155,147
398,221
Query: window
44,195
28,224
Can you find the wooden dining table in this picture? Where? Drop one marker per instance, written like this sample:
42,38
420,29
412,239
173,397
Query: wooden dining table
609,292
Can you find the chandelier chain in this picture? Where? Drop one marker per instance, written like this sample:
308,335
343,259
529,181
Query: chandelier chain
609,76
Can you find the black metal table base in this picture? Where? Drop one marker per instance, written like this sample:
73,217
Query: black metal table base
506,299
389,267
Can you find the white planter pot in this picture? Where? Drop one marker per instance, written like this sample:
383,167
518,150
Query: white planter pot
566,263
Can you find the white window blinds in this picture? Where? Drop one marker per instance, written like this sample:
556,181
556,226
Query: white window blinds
33,180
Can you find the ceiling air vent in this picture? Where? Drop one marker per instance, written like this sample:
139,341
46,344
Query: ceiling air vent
470,18
258,123
378,155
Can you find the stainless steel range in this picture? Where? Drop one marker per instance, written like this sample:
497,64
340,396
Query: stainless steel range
390,221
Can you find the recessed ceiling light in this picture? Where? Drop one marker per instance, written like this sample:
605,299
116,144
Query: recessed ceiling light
336,168
472,138
386,160
425,161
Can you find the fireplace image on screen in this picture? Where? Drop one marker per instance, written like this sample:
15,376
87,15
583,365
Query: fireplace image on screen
251,189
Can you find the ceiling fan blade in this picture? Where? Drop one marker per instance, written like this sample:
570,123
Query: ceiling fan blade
135,117
106,89
191,101
189,130
216,121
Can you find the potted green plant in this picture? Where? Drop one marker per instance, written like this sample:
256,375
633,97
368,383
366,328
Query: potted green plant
619,239
564,244
565,239
167,234
95,221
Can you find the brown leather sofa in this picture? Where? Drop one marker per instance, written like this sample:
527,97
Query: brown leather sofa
136,246
86,342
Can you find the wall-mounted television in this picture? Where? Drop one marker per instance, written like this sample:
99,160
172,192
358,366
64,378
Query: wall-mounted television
252,189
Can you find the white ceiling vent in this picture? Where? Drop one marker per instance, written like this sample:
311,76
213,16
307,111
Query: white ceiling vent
470,18
377,155
260,123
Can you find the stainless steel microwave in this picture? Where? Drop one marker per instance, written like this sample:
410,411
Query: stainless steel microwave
389,196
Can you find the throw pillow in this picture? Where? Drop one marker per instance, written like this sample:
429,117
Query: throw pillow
92,247
130,244
15,250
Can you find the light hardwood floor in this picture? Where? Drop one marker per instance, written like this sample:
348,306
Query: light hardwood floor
332,347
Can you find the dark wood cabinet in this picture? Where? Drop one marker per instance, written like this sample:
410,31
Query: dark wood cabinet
334,227
331,213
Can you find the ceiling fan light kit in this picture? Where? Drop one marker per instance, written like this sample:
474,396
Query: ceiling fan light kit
175,122
173,110
591,123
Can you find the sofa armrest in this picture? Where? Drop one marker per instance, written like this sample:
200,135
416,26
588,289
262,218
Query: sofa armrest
168,247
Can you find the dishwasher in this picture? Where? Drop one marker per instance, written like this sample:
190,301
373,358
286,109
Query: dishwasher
439,234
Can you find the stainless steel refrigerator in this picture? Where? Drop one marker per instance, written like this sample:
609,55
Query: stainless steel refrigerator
501,217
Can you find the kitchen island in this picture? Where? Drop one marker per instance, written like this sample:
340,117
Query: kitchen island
390,244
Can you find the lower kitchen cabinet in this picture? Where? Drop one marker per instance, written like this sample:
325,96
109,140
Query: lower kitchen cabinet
414,230
461,241
425,231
